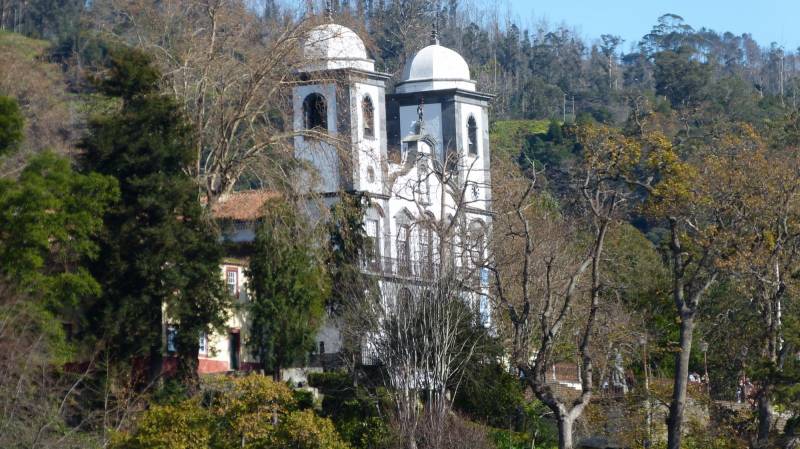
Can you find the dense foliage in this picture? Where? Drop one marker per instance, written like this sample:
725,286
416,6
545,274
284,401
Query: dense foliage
158,253
289,287
248,412
11,125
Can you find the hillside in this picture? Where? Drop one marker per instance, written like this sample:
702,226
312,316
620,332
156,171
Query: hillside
507,137
27,75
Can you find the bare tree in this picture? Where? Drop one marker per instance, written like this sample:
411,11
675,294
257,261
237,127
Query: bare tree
765,189
422,335
48,400
539,271
233,73
705,203
421,323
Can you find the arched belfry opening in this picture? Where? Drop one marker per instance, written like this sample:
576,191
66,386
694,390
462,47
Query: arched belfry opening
472,136
368,116
315,112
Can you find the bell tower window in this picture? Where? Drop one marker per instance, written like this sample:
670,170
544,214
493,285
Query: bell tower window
315,113
368,116
472,136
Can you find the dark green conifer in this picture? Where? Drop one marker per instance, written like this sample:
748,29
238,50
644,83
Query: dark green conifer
160,253
288,286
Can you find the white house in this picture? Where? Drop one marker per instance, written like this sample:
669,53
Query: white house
420,153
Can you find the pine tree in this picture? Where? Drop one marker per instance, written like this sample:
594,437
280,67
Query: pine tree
11,125
160,254
349,247
49,218
289,286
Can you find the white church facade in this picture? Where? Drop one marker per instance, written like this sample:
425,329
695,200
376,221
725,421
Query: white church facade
419,153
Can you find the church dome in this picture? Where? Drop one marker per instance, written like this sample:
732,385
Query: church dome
434,68
332,46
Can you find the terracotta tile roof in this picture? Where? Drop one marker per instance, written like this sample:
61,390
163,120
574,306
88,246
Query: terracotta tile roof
245,205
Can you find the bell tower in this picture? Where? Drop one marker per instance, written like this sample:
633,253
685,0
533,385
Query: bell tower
339,111
437,79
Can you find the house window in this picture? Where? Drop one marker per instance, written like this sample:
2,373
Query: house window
315,112
322,347
368,112
232,281
202,343
472,136
172,333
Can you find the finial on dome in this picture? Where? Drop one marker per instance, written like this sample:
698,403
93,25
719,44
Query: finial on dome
435,30
329,10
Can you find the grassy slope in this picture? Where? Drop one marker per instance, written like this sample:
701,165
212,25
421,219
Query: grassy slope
27,75
508,136
21,46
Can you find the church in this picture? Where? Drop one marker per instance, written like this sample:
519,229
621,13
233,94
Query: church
419,152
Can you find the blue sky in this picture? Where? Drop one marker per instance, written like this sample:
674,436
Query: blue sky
767,20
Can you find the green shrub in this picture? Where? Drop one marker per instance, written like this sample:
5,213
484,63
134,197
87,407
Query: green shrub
11,125
491,395
506,439
304,399
251,412
183,426
355,411
305,430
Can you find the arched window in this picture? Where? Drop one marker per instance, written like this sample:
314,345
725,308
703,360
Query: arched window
427,246
424,185
368,115
372,227
474,251
404,249
315,112
472,135
477,242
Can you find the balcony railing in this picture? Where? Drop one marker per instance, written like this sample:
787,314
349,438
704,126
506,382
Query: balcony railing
401,268
423,270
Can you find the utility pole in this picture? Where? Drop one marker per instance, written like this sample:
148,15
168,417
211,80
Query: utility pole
574,118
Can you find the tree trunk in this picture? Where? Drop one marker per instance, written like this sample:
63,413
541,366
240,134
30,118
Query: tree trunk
187,368
565,431
772,310
411,442
678,404
276,374
764,417
155,365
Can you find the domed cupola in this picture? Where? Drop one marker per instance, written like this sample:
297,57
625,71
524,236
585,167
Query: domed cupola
435,68
331,46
